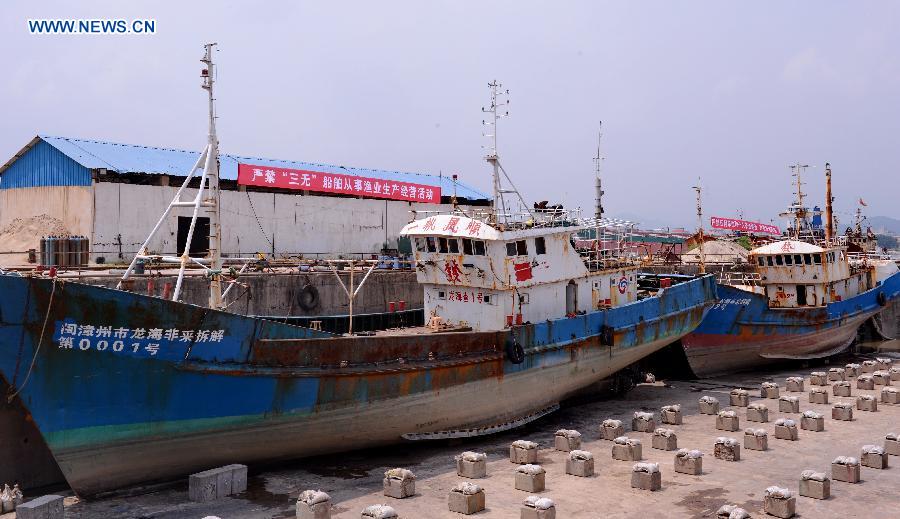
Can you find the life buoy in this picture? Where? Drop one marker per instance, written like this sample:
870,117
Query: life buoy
881,298
308,298
515,352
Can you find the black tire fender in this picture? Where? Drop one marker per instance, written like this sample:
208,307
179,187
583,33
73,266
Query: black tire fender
881,298
515,352
308,298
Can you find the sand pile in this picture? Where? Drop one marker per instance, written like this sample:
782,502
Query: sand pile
22,234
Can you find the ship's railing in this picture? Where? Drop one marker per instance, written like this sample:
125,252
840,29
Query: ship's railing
739,278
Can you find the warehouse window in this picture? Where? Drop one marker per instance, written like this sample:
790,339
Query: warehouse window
200,240
479,248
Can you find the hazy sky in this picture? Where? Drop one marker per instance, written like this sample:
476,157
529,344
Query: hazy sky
732,92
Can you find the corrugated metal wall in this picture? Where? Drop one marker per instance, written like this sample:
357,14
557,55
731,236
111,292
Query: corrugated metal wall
44,165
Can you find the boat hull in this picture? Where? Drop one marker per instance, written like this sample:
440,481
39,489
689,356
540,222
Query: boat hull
741,332
265,391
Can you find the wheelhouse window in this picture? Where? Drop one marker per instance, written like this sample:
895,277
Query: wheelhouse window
540,247
430,245
442,245
807,259
479,247
420,244
467,246
769,260
454,245
779,260
817,258
788,260
522,248
511,249
761,261
798,259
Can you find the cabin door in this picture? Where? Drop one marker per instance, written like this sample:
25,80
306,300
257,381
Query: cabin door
571,298
801,295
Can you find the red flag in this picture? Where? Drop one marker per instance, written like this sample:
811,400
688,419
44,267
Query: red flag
862,203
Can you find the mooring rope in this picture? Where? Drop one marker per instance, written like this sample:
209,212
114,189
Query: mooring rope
10,398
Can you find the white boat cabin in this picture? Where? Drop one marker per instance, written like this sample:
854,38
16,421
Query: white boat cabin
796,274
476,275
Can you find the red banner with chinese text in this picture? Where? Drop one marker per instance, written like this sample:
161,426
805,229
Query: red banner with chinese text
285,178
742,225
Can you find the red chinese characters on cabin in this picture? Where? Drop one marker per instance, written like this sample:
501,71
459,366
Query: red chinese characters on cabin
452,224
452,271
473,227
429,225
466,297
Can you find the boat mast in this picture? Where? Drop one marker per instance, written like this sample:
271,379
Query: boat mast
799,210
207,197
211,172
829,218
492,157
697,188
598,204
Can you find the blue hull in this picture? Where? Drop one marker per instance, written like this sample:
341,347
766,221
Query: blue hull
741,332
126,388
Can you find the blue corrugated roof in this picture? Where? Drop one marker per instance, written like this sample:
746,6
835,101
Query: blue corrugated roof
130,158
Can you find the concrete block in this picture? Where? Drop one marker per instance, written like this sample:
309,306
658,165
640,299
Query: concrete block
238,478
313,504
689,462
769,390
739,397
471,465
709,405
869,366
643,422
727,449
815,485
399,483
780,502
883,363
531,478
664,439
846,469
379,512
580,463
836,374
44,507
865,382
757,413
842,388
756,439
853,370
670,414
874,457
818,378
627,449
611,429
890,395
646,476
789,404
812,421
866,403
466,498
536,507
818,395
732,512
727,421
786,429
842,411
881,378
523,451
202,486
894,373
892,444
566,440
224,479
794,384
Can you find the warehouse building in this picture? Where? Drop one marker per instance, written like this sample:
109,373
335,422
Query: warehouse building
114,194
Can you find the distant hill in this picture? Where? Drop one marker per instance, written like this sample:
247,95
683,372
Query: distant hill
884,223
